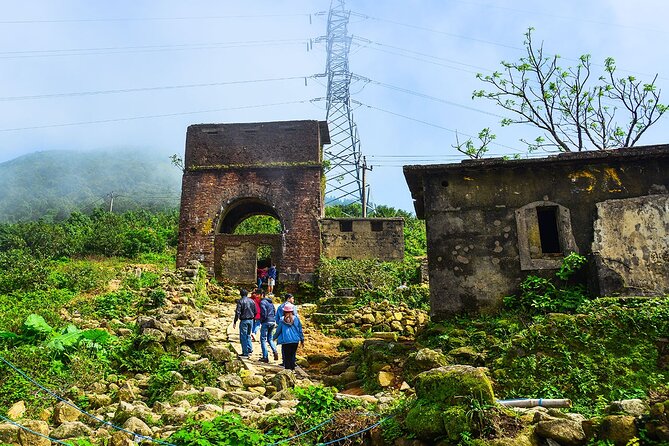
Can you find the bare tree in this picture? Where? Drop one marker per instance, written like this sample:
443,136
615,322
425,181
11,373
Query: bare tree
573,115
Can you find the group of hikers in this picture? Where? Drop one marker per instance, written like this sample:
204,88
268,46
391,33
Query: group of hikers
257,313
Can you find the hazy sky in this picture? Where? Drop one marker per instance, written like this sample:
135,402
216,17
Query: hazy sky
221,61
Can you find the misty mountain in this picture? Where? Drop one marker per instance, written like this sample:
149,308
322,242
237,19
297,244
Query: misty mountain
52,184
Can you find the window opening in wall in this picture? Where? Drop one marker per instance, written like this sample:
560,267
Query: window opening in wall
549,234
346,226
377,226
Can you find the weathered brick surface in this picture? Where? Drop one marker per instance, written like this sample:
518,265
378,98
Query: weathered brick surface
248,169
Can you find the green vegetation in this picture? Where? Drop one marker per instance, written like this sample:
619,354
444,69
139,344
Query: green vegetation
608,349
375,281
51,185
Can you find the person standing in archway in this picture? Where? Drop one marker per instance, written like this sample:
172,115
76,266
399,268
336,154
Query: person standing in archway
271,279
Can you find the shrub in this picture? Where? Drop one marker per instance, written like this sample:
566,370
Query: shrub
542,295
226,430
20,271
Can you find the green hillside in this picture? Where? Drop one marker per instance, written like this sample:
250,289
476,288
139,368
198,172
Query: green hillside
50,185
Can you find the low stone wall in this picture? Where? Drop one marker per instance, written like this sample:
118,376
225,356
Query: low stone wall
383,317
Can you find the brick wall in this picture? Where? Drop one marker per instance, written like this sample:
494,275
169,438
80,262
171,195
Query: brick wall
234,171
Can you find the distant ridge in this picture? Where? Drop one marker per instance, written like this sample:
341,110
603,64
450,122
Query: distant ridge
51,184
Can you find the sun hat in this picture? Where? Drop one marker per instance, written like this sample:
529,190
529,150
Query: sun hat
288,308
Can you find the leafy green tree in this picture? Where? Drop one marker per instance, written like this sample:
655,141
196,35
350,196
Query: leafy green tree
573,114
259,224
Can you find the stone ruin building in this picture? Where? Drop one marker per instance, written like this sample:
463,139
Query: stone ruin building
492,222
235,171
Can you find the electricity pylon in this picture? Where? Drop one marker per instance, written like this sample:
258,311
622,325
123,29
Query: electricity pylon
344,163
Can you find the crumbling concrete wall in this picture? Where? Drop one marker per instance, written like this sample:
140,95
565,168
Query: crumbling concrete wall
360,238
483,217
631,246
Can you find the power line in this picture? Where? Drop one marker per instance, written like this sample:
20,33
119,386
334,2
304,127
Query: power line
166,115
144,49
417,53
436,31
132,90
424,122
152,19
427,96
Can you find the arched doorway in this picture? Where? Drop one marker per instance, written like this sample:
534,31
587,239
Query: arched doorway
249,238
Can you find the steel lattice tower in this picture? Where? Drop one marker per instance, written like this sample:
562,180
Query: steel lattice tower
344,172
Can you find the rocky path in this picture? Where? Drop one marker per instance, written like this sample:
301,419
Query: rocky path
230,335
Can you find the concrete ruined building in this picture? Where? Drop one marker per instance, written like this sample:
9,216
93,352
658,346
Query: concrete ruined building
492,222
235,171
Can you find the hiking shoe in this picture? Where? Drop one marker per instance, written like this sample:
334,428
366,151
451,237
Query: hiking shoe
244,356
276,356
264,360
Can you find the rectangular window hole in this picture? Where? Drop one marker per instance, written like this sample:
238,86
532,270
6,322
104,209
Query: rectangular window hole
549,233
377,226
346,226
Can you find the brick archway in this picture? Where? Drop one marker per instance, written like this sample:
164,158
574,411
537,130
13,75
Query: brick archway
271,168
235,255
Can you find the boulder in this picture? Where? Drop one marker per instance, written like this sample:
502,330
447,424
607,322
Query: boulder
429,420
252,380
633,407
64,413
9,433
283,380
385,379
134,424
427,359
71,429
220,354
191,334
214,392
448,385
17,410
32,439
564,431
618,429
230,381
98,400
120,438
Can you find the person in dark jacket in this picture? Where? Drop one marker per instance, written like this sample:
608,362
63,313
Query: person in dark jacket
245,313
289,334
271,279
267,324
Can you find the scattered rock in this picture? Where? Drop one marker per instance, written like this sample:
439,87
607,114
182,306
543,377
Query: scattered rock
565,432
64,413
71,429
29,439
17,410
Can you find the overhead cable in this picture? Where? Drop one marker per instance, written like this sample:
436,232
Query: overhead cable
132,90
166,115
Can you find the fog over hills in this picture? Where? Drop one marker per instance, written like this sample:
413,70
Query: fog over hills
52,184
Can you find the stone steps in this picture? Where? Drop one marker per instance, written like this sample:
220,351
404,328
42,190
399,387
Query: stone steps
334,309
337,300
326,318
